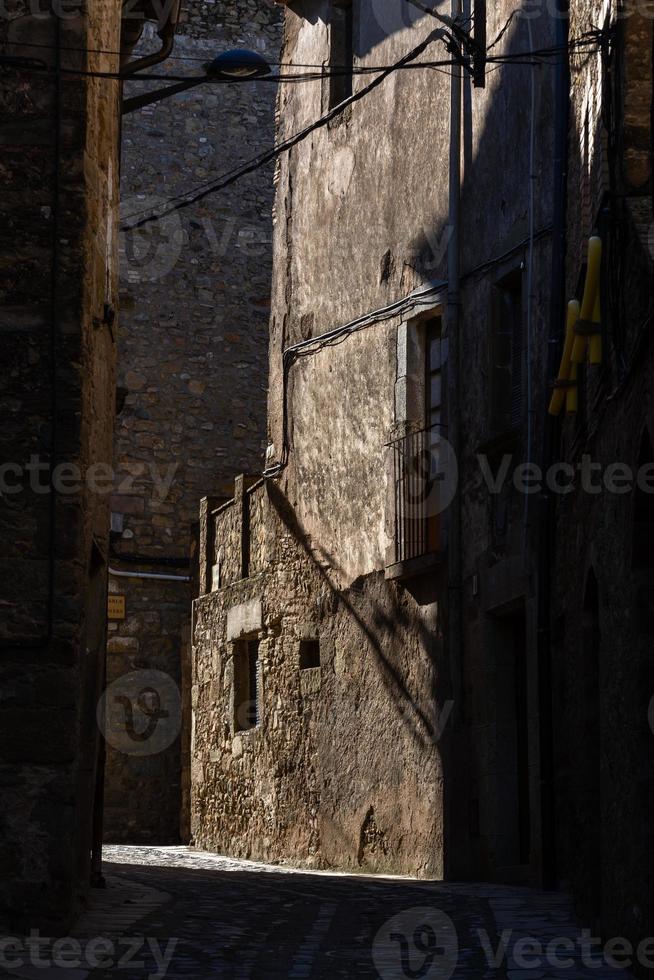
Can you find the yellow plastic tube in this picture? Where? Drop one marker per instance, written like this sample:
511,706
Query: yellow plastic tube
591,289
558,395
572,393
595,346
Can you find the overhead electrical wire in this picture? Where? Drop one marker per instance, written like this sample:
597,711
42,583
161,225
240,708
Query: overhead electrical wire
182,201
591,38
423,296
503,31
312,345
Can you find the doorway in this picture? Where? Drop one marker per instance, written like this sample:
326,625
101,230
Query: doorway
589,781
513,850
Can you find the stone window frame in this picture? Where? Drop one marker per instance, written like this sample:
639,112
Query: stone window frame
410,403
509,280
239,649
310,677
342,35
312,642
411,358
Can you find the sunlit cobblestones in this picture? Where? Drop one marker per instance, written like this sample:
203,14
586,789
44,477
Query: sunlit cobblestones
172,912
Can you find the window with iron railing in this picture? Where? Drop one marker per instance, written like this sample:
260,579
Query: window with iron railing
247,685
341,54
416,462
507,403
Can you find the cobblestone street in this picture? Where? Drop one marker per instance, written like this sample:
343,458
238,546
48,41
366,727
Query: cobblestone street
173,912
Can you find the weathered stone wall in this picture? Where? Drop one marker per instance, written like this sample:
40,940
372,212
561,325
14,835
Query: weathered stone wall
602,604
195,293
336,477
344,769
58,291
361,222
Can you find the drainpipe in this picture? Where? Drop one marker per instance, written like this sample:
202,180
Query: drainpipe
166,29
455,618
547,528
155,575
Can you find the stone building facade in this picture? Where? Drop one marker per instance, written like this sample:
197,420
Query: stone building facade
365,676
388,674
602,602
193,341
59,293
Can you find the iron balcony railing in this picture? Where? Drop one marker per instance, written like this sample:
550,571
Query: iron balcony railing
416,478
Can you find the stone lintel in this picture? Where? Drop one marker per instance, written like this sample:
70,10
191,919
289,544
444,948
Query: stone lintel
244,619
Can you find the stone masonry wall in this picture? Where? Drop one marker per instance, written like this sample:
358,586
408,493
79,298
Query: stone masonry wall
361,222
195,294
602,608
58,289
344,769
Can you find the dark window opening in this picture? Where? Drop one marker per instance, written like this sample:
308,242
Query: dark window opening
309,654
582,378
512,734
474,824
418,458
341,53
434,368
507,341
643,537
434,421
247,686
589,859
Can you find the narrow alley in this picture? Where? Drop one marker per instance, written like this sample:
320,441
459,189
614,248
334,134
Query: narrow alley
326,489
174,912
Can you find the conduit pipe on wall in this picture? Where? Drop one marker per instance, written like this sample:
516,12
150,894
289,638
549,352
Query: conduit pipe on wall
550,440
161,576
530,270
454,562
134,18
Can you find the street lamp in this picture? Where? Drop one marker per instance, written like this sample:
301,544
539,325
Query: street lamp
239,64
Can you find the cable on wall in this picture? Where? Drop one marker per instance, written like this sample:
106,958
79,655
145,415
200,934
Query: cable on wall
287,144
420,297
530,272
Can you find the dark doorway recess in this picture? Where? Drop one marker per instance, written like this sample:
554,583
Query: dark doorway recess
513,744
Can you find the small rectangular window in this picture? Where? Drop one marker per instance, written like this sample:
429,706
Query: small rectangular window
309,654
247,686
341,51
434,419
434,374
507,354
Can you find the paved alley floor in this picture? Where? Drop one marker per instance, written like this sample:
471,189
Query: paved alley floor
177,913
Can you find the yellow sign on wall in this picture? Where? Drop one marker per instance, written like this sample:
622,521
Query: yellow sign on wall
116,606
